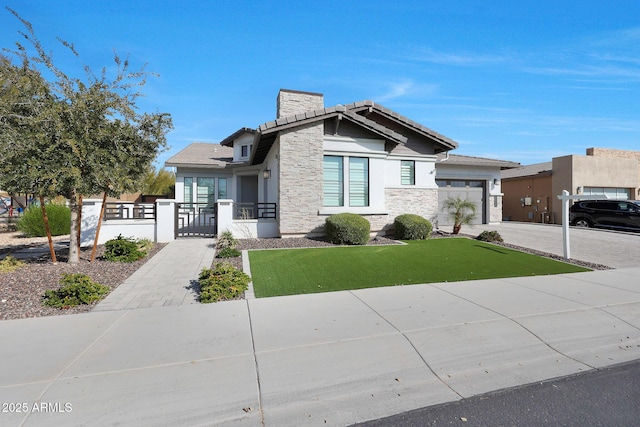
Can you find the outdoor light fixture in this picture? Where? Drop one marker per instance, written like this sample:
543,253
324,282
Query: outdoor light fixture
266,174
496,181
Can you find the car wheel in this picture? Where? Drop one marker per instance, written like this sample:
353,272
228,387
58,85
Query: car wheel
581,222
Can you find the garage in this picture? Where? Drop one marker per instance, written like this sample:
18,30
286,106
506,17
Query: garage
473,190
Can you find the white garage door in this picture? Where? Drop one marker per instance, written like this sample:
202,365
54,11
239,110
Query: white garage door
472,190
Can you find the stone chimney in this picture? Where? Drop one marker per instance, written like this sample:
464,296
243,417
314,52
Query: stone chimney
292,102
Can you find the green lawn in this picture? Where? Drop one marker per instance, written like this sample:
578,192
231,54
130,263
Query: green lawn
304,271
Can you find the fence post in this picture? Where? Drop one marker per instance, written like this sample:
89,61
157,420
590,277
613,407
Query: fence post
225,215
90,216
165,220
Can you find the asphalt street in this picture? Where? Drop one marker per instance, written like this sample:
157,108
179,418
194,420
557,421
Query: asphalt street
605,397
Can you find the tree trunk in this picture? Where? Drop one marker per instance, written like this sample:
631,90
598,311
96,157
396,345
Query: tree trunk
45,218
74,254
95,240
79,221
456,228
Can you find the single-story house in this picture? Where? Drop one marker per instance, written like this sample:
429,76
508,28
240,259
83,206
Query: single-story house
530,192
314,161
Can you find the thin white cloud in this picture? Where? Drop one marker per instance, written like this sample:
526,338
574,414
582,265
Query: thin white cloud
446,58
404,89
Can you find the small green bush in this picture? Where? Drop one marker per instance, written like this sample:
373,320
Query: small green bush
412,227
124,249
228,253
10,263
226,240
77,289
144,245
31,222
490,236
347,229
223,282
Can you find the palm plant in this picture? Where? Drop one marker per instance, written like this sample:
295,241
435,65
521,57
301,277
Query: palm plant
461,212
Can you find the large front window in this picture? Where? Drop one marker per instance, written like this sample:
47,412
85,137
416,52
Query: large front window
358,181
335,187
333,181
188,190
205,191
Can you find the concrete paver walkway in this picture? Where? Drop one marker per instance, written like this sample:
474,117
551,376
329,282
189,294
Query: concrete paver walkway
323,359
164,280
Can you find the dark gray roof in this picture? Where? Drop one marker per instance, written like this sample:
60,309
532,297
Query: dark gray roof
202,154
457,159
267,131
528,170
371,107
228,141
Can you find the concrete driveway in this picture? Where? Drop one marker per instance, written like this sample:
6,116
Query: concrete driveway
611,248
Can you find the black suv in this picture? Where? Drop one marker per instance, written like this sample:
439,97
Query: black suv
618,214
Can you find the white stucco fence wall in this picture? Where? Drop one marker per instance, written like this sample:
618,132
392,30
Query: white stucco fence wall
159,230
162,229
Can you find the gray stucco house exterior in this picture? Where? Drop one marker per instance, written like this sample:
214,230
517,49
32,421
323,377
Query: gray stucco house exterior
314,161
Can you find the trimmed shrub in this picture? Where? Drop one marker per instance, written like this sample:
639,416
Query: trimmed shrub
10,263
228,253
222,282
125,249
347,229
32,224
490,236
77,289
412,227
226,240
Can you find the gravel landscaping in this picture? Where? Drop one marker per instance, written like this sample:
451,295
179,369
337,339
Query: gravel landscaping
21,291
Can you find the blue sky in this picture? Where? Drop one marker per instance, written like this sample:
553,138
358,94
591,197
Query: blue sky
523,81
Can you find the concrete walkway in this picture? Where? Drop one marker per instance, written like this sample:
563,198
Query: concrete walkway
323,359
612,248
167,279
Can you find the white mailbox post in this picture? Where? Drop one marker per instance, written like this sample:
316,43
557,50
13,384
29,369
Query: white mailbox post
565,197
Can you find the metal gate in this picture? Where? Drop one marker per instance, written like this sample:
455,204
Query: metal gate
196,220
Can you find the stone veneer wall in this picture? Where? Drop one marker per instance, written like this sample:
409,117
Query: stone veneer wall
300,180
419,201
291,102
300,166
495,212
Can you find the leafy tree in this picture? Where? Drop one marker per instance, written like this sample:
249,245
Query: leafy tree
461,212
77,135
160,182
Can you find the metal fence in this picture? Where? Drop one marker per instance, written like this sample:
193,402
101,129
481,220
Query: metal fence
254,210
123,210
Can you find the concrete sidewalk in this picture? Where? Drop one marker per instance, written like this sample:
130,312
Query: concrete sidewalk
167,279
323,359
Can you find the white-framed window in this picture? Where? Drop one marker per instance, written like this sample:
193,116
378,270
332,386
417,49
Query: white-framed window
188,190
205,191
333,181
358,181
245,150
356,188
408,172
222,188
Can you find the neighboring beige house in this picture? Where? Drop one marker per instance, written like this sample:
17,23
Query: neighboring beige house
530,192
312,162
